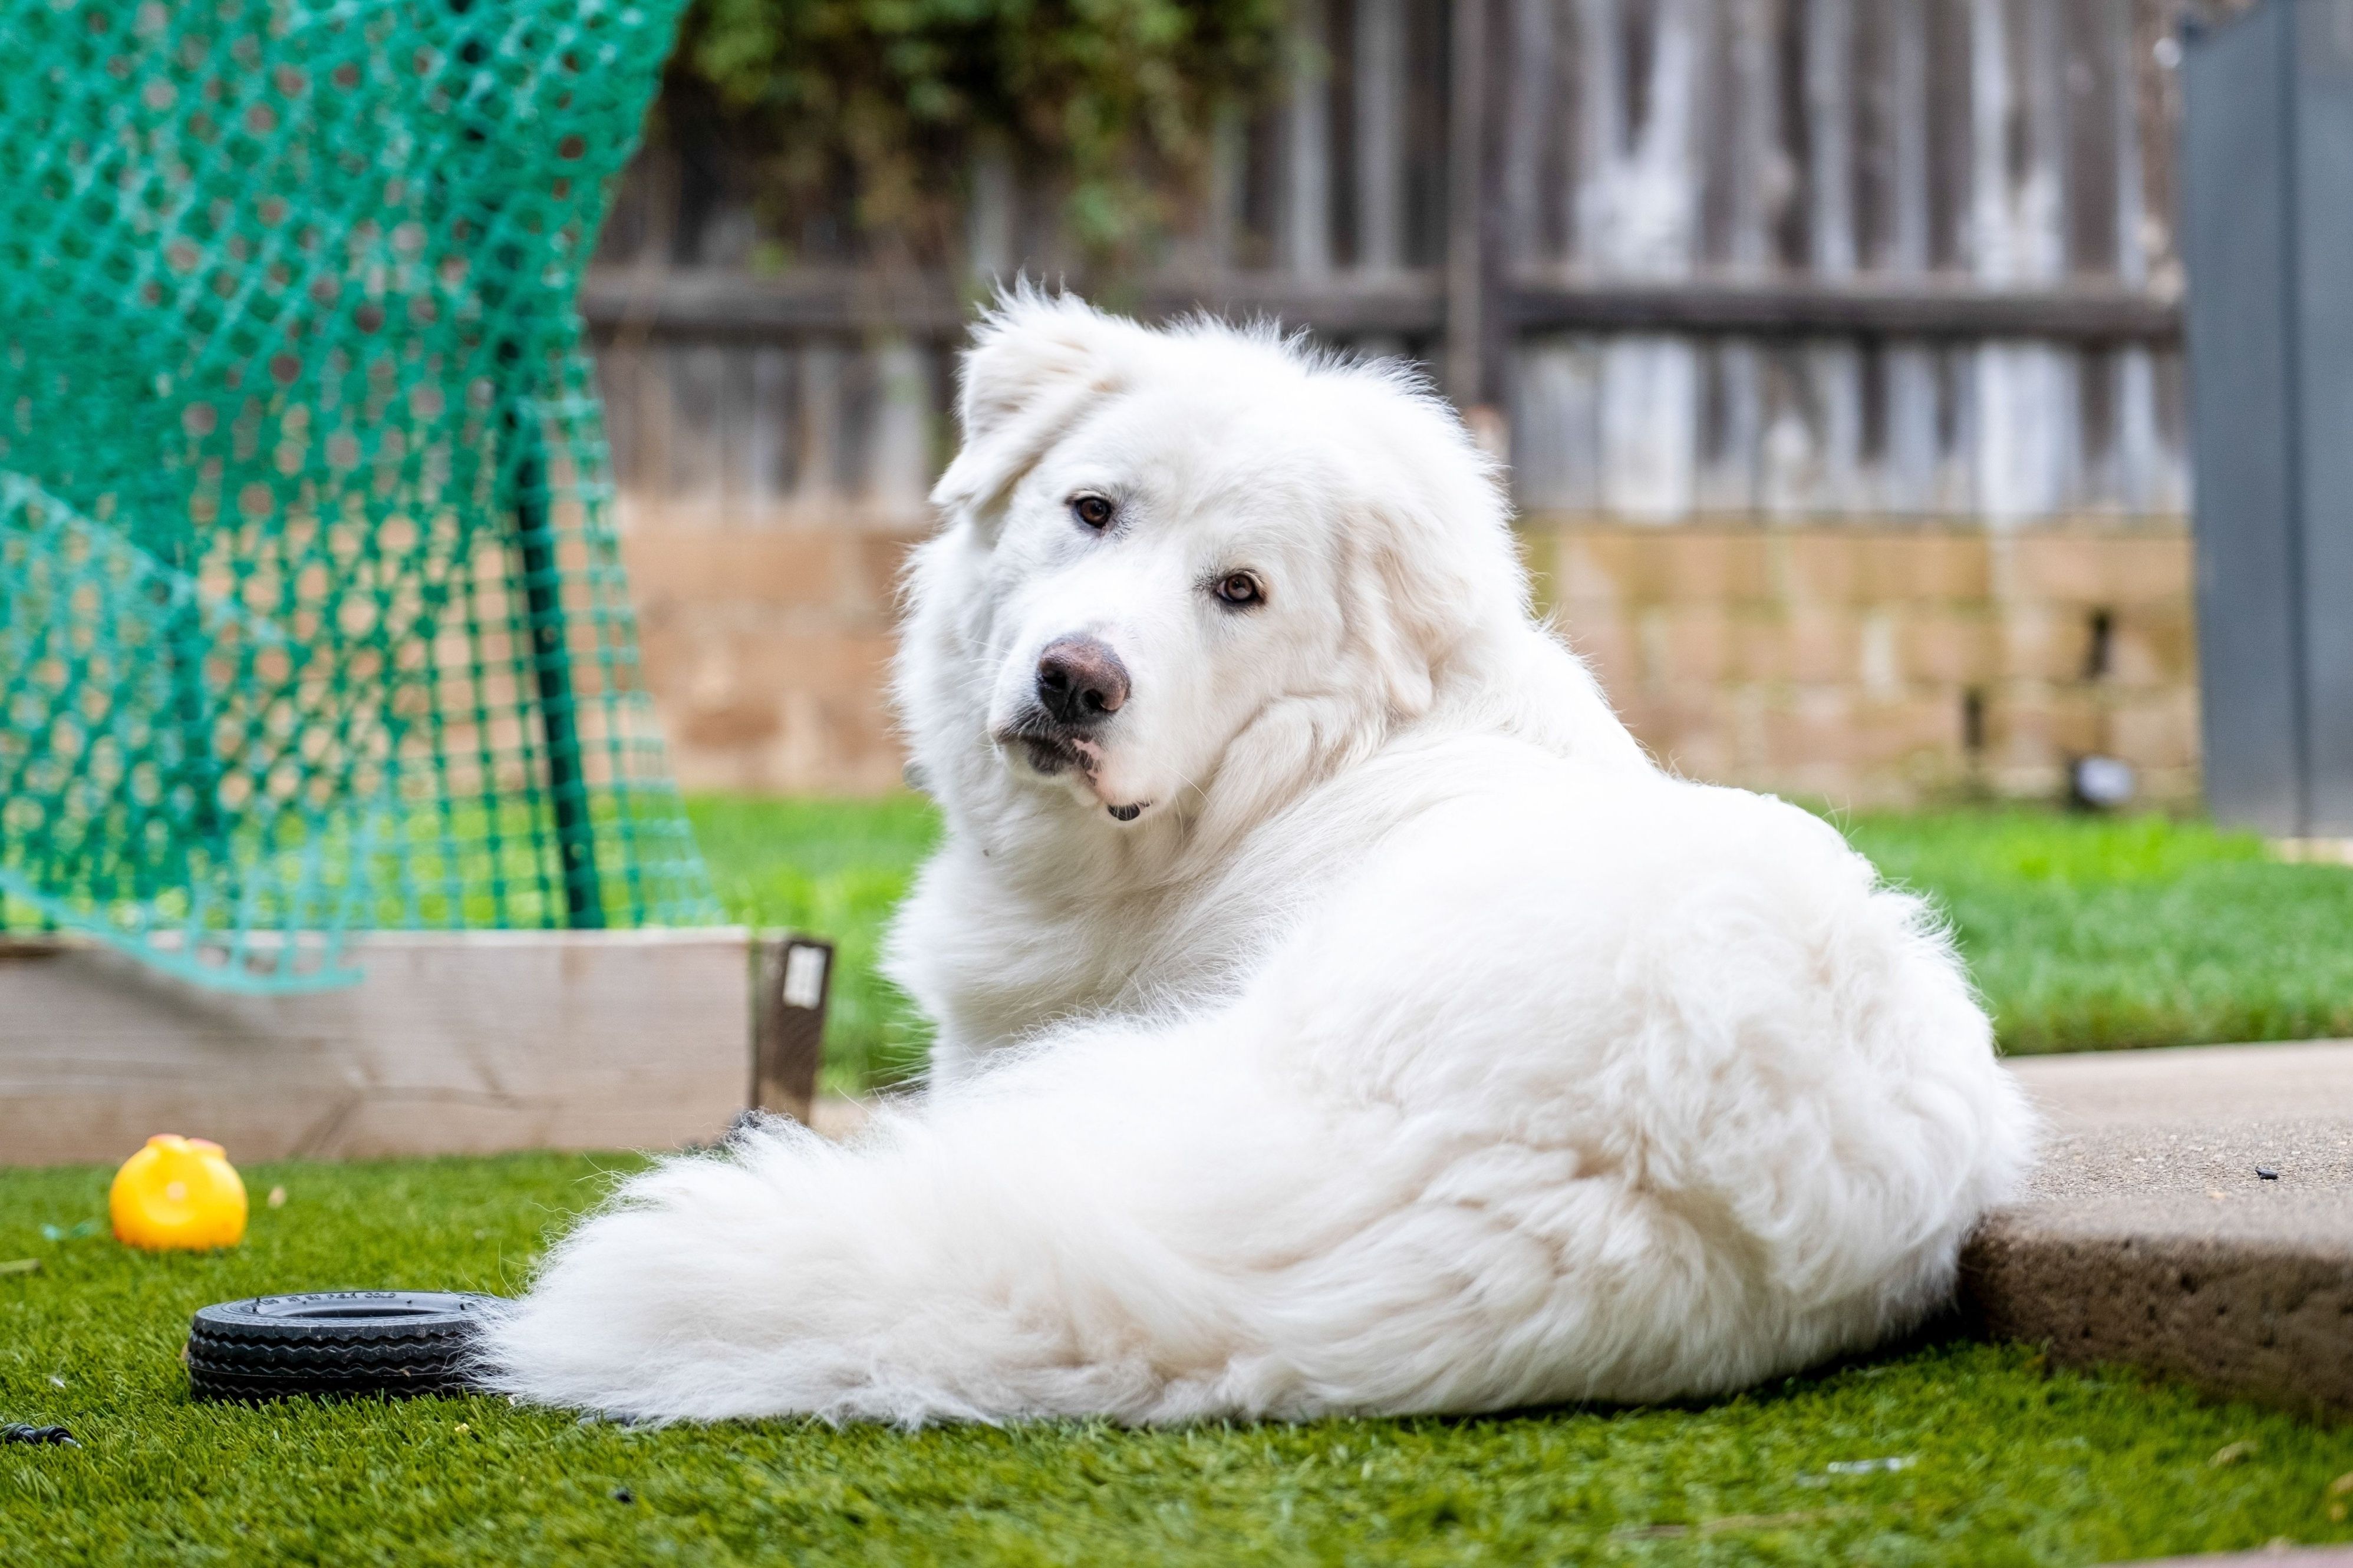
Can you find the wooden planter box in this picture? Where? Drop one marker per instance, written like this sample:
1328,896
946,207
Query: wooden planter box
454,1042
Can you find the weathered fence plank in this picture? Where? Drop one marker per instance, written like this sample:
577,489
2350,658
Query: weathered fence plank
1378,85
817,470
1911,385
1306,213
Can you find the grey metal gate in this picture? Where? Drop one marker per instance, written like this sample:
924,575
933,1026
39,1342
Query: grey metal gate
2268,237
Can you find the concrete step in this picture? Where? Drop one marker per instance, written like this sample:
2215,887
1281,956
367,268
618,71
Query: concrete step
2150,1235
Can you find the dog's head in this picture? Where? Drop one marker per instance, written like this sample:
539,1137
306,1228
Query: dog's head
1190,562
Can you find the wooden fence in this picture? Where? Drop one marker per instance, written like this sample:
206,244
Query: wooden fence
1777,258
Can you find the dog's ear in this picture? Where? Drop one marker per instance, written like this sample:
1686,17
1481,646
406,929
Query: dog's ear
1431,562
1037,363
1406,622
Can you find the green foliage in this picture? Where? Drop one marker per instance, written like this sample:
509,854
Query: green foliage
2010,1463
890,98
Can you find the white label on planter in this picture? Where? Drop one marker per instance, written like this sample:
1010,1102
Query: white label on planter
804,976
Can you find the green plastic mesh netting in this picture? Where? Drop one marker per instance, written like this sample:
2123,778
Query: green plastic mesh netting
312,615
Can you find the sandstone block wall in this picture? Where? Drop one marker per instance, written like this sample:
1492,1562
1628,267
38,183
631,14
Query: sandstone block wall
1886,664
1873,664
768,648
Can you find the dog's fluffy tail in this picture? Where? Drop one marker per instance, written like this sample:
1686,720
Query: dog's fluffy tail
1012,1249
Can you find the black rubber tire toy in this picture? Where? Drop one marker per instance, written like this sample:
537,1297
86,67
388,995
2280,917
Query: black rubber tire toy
388,1342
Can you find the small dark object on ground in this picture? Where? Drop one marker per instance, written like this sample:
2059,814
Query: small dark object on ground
331,1342
623,1494
2267,1172
18,1432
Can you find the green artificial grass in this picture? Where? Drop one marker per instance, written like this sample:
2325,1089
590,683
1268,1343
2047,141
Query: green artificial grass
2081,931
2003,1461
2086,932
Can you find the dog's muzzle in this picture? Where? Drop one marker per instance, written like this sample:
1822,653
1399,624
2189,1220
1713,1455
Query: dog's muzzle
1079,685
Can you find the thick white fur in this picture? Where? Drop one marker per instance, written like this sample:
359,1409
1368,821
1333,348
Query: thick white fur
1421,1047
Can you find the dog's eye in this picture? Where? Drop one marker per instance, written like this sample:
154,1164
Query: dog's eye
1095,511
1239,590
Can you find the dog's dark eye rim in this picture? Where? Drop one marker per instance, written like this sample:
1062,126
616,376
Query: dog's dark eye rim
1093,510
1238,590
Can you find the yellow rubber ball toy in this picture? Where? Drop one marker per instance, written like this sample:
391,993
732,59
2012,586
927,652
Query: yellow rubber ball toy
178,1193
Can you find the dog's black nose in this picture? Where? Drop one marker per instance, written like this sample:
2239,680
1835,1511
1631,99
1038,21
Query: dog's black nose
1080,681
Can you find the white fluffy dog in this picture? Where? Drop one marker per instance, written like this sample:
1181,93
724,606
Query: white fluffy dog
1337,1012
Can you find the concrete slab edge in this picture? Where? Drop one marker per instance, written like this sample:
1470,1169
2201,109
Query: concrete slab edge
2241,1320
